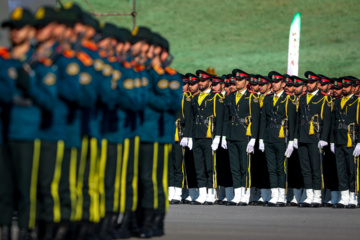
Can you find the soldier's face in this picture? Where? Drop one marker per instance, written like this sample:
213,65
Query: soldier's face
289,89
136,48
45,33
324,88
203,85
255,88
20,35
357,89
312,86
105,44
264,88
277,86
194,88
347,90
185,87
298,90
232,88
59,31
337,92
241,84
227,88
216,87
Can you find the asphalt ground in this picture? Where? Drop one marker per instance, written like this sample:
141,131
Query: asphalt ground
257,222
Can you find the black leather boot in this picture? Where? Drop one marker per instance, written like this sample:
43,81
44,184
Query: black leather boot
26,234
146,223
123,231
158,226
46,230
5,232
61,231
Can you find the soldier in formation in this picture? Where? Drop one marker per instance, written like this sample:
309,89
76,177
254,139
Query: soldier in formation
86,127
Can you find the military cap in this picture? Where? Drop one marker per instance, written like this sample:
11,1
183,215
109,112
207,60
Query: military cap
126,35
74,9
336,84
19,18
298,81
262,80
348,80
275,76
141,34
66,16
324,79
312,77
231,79
240,74
184,78
288,80
226,80
203,76
217,79
45,15
193,79
109,30
91,21
253,79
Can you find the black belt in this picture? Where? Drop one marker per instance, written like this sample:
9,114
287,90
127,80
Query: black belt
206,122
239,120
273,125
345,126
20,101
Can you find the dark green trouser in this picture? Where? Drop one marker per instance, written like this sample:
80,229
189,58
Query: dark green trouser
18,174
223,171
190,168
51,157
162,176
330,171
275,157
112,177
129,175
67,187
176,170
294,170
238,163
87,182
203,162
259,169
152,192
310,165
345,167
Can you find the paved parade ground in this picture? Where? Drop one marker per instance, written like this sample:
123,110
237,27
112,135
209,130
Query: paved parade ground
221,222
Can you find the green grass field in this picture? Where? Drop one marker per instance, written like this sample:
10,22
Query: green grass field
250,35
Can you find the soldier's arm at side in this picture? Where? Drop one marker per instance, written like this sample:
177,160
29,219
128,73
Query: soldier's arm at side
255,116
292,118
325,117
263,120
219,112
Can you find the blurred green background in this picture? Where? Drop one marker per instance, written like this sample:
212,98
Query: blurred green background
250,35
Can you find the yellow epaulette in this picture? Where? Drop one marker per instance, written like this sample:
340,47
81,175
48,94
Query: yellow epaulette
69,53
4,53
84,58
170,71
159,70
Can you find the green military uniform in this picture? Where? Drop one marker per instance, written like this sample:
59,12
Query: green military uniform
207,110
242,118
313,107
345,125
277,128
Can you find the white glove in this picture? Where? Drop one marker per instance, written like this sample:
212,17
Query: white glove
223,142
215,143
332,147
184,142
190,143
356,152
250,146
322,144
289,149
261,145
296,144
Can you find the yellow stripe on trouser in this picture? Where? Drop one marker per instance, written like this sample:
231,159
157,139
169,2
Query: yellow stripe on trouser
72,182
94,210
136,174
123,175
102,177
165,174
249,169
56,180
285,166
33,184
154,173
357,174
80,180
117,178
215,183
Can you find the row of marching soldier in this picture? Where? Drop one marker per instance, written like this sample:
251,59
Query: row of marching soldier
274,141
87,122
